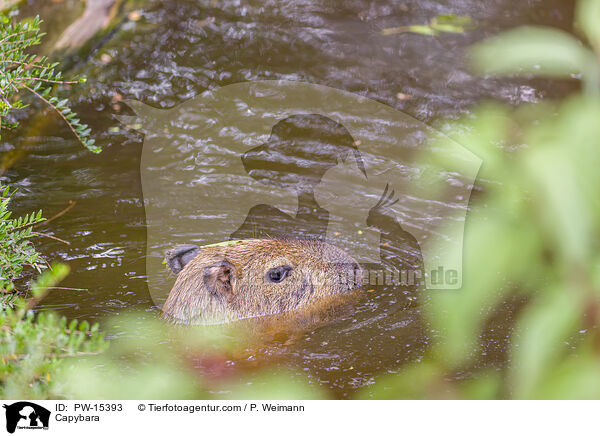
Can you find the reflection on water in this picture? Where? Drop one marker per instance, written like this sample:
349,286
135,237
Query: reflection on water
181,48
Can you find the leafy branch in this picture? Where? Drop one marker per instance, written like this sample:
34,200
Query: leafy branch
16,250
33,347
29,72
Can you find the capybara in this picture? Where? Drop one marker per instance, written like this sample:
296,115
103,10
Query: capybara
255,278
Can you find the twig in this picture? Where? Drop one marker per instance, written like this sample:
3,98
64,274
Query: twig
59,214
24,65
67,289
51,237
23,43
60,82
22,32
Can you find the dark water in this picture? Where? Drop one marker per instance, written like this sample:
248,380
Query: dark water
180,49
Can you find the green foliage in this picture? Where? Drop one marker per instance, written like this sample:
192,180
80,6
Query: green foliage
33,348
16,249
151,359
21,71
535,50
547,51
533,231
587,16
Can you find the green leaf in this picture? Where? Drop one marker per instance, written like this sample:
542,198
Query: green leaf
452,23
577,378
48,279
420,29
441,23
422,381
587,18
456,20
223,244
533,50
540,338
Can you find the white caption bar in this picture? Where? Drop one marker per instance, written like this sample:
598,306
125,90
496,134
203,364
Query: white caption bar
283,417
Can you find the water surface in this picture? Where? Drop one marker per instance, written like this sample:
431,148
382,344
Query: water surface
180,49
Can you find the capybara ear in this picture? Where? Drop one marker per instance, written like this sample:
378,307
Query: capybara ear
219,277
178,257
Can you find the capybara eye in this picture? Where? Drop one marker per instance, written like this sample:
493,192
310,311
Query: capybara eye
278,274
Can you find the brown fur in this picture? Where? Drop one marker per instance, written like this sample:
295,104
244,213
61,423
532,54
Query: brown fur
229,283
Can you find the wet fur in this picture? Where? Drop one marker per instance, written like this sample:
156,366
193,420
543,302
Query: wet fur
228,283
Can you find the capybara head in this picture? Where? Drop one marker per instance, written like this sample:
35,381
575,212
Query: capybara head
256,277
